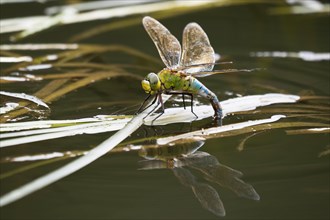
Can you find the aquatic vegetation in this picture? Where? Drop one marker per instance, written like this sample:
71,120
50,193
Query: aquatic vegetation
131,125
38,80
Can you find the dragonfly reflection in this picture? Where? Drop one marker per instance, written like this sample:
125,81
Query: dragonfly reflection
195,59
181,158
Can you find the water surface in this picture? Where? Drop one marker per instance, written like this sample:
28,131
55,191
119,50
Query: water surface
286,171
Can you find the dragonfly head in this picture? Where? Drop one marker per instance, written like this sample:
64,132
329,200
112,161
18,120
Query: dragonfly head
151,84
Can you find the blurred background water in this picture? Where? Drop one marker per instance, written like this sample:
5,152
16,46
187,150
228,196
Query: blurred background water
287,171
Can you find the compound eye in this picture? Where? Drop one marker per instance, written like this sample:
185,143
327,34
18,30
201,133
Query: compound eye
154,81
151,84
146,85
153,78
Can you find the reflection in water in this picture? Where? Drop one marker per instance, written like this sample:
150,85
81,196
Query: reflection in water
181,158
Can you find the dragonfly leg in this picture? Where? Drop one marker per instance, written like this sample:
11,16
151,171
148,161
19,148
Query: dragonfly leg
139,110
192,104
160,101
183,94
160,114
150,105
153,102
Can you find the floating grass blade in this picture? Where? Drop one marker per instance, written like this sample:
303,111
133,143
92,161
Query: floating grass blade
216,130
16,59
52,133
53,157
309,131
96,125
25,97
246,103
88,6
241,145
29,125
109,144
164,9
56,94
72,52
71,15
79,163
55,46
44,24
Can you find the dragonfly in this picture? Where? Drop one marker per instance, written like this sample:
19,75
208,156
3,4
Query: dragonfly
196,58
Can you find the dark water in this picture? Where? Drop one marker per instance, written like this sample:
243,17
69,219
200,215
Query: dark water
286,171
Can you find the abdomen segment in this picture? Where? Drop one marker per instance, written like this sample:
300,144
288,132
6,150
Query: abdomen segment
197,87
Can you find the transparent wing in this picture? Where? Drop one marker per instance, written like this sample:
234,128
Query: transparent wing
208,73
196,50
168,46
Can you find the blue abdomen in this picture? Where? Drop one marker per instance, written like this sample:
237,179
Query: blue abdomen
197,87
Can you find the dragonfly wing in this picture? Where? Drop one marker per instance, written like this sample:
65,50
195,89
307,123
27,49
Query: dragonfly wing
196,50
208,73
168,46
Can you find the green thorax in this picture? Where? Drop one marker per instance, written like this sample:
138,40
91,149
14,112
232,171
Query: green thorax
176,80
